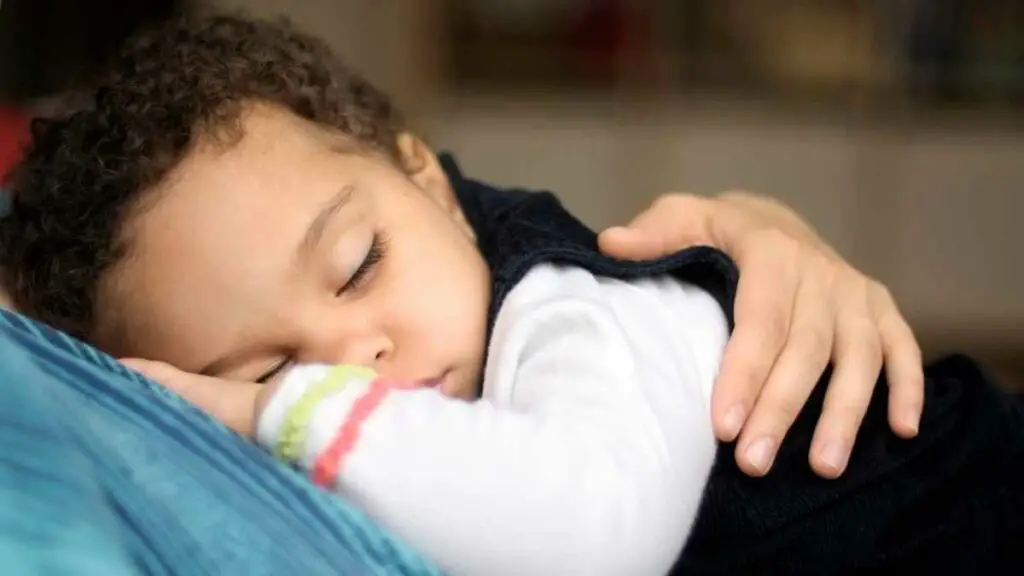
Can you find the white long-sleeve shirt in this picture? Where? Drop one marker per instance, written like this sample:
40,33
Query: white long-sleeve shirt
587,453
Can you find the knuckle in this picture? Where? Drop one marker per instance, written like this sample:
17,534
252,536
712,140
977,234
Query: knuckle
778,239
863,333
914,357
907,390
816,264
844,417
891,321
880,291
819,259
847,408
836,282
905,351
784,410
861,327
881,298
671,201
756,377
852,281
836,270
774,330
815,343
865,348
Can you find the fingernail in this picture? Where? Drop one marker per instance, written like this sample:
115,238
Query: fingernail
834,456
761,453
734,420
910,420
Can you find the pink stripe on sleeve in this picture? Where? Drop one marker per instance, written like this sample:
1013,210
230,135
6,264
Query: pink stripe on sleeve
331,460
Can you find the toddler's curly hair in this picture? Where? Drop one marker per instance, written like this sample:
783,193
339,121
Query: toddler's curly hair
85,173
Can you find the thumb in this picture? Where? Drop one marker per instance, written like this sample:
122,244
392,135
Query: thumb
672,223
630,243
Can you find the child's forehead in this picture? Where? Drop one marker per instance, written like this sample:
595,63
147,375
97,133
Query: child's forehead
203,266
273,157
268,147
232,214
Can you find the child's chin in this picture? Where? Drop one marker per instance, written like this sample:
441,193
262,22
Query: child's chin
454,388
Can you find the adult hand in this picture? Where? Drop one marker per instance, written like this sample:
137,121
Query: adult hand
798,307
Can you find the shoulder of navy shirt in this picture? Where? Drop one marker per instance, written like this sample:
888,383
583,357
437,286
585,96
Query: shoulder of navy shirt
950,498
518,229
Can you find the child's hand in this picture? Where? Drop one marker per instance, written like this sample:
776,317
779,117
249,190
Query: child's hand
237,404
799,305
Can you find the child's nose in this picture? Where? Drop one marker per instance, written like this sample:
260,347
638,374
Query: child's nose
369,350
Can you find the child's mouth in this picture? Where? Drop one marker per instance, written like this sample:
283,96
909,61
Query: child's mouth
435,382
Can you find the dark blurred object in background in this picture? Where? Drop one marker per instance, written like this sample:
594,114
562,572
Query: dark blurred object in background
924,52
962,50
47,45
13,136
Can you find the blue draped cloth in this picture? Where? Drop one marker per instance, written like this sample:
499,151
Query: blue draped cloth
105,473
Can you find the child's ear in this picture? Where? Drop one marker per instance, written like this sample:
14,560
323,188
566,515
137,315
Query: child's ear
422,167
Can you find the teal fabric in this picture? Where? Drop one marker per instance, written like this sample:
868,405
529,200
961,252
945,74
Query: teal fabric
105,473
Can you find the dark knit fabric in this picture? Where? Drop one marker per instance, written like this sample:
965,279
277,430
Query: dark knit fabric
949,502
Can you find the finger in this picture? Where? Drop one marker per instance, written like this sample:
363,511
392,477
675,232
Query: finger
858,361
763,310
792,378
157,371
671,223
134,363
233,403
903,366
630,244
668,210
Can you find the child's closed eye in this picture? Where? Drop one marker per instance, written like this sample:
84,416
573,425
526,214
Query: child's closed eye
276,371
374,256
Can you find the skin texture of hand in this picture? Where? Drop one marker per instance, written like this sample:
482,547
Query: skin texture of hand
799,306
237,405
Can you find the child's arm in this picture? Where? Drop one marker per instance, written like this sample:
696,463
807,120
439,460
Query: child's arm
588,454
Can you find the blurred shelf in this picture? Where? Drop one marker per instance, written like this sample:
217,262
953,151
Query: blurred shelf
918,55
636,105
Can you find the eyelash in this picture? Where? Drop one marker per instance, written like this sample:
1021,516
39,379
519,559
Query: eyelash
274,372
374,256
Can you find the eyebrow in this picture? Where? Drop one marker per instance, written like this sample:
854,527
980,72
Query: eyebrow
314,234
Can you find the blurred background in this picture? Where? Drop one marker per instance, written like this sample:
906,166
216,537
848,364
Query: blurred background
894,126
